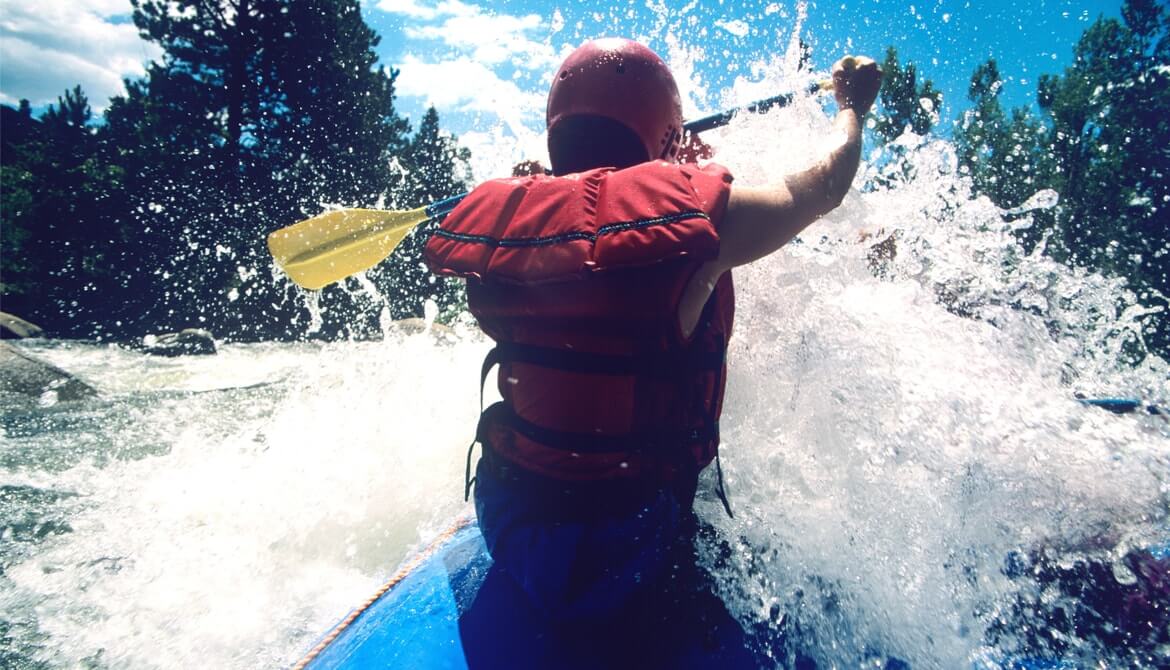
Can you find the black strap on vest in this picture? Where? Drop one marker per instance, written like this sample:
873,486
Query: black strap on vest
664,365
658,442
489,362
722,490
659,365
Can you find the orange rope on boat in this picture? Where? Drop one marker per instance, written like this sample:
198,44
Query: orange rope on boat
402,573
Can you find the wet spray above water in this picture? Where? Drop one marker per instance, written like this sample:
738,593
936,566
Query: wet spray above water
900,420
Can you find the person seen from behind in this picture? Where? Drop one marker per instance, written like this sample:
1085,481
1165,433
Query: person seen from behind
607,288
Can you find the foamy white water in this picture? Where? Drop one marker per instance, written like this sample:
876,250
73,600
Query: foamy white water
891,435
261,515
893,430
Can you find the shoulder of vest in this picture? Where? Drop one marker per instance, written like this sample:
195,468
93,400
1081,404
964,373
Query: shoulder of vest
539,229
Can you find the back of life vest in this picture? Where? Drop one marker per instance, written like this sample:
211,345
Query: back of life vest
578,280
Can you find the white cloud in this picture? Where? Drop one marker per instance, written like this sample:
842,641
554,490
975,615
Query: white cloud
466,85
409,8
49,46
493,39
486,36
494,151
469,61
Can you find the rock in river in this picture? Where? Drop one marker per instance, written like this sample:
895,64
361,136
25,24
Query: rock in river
14,327
26,375
186,342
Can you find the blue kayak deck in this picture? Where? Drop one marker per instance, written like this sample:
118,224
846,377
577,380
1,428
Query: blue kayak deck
449,609
413,622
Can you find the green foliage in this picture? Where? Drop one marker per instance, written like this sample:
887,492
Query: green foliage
17,193
16,199
1006,154
435,168
259,114
1110,115
1101,144
327,124
905,104
58,243
282,109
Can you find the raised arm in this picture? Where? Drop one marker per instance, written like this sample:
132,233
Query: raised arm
761,220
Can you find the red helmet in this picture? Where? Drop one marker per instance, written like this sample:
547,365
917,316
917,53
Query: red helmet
626,82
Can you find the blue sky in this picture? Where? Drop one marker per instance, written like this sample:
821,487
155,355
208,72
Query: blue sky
946,39
486,65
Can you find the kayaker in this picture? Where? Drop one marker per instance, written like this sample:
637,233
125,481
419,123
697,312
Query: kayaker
607,288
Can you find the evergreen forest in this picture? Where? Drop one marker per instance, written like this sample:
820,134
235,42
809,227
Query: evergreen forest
261,112
153,217
1098,135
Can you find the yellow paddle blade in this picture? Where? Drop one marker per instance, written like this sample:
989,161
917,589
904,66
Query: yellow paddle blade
332,246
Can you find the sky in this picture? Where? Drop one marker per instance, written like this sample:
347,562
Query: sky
486,66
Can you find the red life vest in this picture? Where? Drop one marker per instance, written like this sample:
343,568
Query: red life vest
578,280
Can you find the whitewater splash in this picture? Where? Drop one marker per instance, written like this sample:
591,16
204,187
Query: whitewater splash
899,420
901,417
239,504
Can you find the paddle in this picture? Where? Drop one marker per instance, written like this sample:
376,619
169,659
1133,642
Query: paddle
332,246
1121,405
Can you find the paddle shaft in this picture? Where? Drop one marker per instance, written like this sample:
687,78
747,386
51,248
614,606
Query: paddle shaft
703,124
334,245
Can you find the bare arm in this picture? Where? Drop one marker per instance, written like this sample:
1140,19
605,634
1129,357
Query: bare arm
761,220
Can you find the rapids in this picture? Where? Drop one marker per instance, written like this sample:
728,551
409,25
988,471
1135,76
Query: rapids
896,427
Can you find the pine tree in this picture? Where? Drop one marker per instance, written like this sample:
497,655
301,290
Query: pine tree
260,112
326,119
905,106
1006,153
904,103
17,262
164,143
436,167
1109,113
1101,144
58,237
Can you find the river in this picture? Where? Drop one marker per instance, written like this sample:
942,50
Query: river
898,427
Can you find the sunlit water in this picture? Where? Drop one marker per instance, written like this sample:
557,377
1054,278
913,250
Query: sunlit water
183,522
894,430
